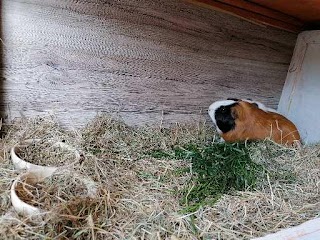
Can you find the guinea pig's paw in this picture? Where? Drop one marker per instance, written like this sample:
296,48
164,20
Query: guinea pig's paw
297,144
220,140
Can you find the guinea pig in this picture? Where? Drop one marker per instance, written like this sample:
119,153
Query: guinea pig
240,120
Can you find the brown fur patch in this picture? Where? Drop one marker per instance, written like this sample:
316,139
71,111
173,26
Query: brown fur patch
253,123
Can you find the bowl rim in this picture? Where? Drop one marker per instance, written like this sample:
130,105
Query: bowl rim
21,164
27,209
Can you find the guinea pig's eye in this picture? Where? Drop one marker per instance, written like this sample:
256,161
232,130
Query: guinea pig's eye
223,109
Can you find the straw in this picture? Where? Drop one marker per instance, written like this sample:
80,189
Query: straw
139,194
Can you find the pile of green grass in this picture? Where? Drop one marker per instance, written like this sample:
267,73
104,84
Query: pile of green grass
217,169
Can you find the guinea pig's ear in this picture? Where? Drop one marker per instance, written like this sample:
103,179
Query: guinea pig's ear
238,111
234,113
234,99
255,104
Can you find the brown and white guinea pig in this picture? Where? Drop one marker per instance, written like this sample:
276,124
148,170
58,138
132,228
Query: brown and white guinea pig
241,120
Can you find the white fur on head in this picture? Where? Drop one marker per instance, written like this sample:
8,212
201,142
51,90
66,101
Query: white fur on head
214,106
260,105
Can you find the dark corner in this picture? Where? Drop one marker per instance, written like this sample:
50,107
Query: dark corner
2,102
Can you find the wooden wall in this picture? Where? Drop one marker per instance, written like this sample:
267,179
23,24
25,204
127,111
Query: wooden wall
144,59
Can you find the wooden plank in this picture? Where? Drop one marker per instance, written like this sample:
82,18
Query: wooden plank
147,61
259,9
247,15
305,10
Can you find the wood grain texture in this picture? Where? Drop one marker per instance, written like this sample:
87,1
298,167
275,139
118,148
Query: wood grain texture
253,13
305,10
146,60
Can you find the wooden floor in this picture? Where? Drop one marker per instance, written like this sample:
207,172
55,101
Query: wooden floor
146,60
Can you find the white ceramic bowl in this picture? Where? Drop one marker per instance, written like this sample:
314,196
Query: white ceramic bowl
34,177
21,164
20,206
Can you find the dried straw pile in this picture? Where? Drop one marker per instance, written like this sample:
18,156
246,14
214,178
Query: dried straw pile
44,152
56,190
139,196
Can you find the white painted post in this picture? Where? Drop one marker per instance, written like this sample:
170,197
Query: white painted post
300,99
309,230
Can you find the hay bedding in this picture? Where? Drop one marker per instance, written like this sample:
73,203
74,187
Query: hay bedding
45,152
139,196
53,191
